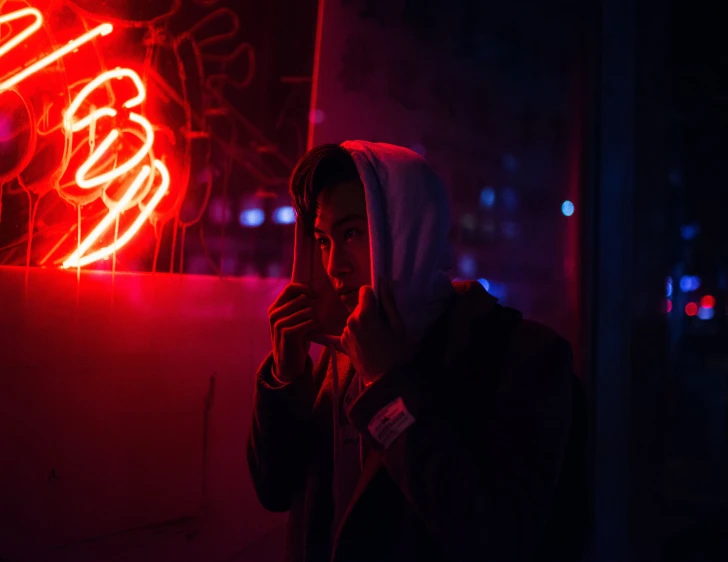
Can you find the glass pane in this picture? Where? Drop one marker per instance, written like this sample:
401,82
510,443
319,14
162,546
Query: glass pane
696,291
491,94
227,109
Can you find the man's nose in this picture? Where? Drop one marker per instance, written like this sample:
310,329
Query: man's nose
339,263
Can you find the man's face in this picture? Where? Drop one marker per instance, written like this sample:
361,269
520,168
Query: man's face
342,234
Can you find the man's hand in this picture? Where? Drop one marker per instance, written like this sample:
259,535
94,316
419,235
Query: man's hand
292,323
374,344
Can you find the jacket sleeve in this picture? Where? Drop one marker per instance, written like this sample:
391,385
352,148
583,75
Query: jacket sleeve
480,487
279,443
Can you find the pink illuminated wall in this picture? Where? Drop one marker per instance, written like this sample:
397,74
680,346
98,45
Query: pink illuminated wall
124,407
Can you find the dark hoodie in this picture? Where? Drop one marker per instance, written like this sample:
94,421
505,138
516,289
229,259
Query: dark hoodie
487,462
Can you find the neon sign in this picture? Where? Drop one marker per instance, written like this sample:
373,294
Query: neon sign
150,177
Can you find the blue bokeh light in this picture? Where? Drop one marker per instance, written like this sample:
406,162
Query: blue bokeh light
484,283
487,197
252,217
689,231
706,313
284,215
689,283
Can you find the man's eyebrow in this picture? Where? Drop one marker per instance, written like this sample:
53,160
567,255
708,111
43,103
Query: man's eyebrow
343,220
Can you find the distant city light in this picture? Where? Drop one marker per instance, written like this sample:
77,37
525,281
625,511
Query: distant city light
689,231
567,208
668,306
689,283
252,217
498,290
668,287
487,197
284,215
708,301
467,266
706,313
691,309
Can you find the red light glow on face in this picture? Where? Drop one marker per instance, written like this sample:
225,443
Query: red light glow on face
147,177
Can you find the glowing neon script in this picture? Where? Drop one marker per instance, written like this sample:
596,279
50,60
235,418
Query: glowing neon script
142,183
103,29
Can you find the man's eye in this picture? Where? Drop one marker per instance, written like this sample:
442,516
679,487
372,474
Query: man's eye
350,233
322,242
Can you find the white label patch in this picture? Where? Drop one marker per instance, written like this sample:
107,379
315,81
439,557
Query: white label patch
390,422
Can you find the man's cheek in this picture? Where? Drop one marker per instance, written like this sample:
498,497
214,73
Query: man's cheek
324,260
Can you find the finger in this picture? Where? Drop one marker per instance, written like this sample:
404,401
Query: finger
389,305
346,341
353,325
300,331
291,291
367,300
300,288
286,309
294,319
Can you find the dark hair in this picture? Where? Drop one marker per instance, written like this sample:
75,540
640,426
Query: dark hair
320,168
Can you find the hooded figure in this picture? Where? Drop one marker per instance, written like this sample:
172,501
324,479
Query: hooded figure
409,226
468,445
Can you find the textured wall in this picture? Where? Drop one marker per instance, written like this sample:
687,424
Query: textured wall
124,408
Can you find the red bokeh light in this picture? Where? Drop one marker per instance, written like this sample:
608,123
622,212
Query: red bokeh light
708,301
668,306
691,309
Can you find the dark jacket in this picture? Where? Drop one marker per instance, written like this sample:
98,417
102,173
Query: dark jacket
491,469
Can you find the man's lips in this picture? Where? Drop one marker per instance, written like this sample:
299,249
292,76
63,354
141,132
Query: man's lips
346,292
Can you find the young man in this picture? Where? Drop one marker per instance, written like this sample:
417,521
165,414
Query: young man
437,425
